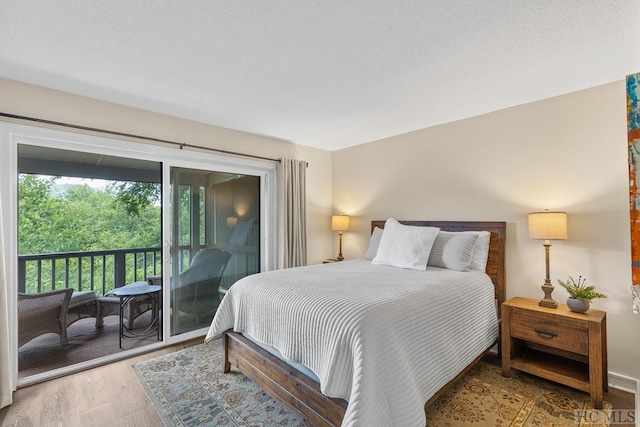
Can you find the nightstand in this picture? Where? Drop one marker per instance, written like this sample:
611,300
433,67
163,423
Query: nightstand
556,344
329,261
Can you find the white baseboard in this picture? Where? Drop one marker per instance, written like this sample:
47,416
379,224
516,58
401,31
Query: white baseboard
624,383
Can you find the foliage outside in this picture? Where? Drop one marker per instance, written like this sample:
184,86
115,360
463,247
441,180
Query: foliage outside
57,219
578,289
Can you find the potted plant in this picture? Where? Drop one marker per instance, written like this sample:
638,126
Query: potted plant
580,295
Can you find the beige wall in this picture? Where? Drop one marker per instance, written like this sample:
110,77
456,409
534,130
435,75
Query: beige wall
28,100
566,153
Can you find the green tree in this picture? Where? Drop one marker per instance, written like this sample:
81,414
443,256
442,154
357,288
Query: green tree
54,219
82,218
137,196
37,209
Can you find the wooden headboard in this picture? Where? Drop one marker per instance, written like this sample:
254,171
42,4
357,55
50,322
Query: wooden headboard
496,261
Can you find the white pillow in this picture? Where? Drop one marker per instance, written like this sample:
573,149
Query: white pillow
241,233
405,246
374,242
453,251
480,251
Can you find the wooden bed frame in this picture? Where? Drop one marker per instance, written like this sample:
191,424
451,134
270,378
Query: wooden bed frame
299,392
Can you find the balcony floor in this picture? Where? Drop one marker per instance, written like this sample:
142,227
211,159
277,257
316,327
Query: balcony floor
85,343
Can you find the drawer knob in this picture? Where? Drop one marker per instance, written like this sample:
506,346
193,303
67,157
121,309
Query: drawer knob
545,334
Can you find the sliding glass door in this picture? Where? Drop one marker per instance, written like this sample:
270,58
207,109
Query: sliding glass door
215,240
94,214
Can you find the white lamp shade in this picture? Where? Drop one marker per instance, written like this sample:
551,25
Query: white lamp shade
548,225
340,222
232,221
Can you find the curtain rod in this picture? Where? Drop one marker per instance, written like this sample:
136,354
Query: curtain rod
182,145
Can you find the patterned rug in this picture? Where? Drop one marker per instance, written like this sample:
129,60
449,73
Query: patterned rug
188,388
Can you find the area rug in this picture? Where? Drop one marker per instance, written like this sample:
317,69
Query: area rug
188,388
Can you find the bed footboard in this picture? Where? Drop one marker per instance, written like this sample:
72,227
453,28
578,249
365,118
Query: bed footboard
281,381
290,387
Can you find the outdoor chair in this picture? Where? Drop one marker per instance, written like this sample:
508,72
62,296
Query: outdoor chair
81,305
197,291
43,313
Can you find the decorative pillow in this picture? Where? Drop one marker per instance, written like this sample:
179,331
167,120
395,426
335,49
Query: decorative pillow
405,246
241,232
374,243
453,251
480,250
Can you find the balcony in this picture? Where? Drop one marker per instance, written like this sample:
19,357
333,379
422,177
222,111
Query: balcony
98,271
101,271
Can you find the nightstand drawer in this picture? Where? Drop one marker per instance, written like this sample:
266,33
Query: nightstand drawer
551,333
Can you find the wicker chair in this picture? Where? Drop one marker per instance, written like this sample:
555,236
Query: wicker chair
82,304
43,313
197,292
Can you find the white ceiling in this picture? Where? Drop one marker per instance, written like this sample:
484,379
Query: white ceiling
323,73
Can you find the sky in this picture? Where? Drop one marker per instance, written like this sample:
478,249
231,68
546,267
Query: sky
98,184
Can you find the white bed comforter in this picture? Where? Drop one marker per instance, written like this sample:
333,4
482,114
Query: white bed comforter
382,338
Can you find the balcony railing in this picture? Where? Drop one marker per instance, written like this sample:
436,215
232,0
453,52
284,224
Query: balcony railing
99,271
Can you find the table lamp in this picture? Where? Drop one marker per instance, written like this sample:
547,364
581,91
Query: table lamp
340,223
548,226
232,221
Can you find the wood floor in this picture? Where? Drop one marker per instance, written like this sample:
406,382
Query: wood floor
111,395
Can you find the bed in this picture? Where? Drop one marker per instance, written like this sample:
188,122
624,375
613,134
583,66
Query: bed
396,355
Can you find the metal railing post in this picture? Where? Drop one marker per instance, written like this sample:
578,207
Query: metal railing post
119,269
22,275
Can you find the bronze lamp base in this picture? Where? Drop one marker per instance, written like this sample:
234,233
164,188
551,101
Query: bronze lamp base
547,301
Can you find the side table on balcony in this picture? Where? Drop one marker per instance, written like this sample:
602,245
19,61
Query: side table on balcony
126,294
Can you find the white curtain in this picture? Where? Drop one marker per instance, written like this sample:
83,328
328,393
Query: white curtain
6,387
292,215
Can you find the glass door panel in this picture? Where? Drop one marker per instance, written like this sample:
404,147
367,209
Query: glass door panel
215,240
90,222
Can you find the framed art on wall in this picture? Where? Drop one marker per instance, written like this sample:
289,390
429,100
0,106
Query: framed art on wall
633,129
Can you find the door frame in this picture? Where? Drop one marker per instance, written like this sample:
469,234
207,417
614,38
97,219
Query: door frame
11,135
